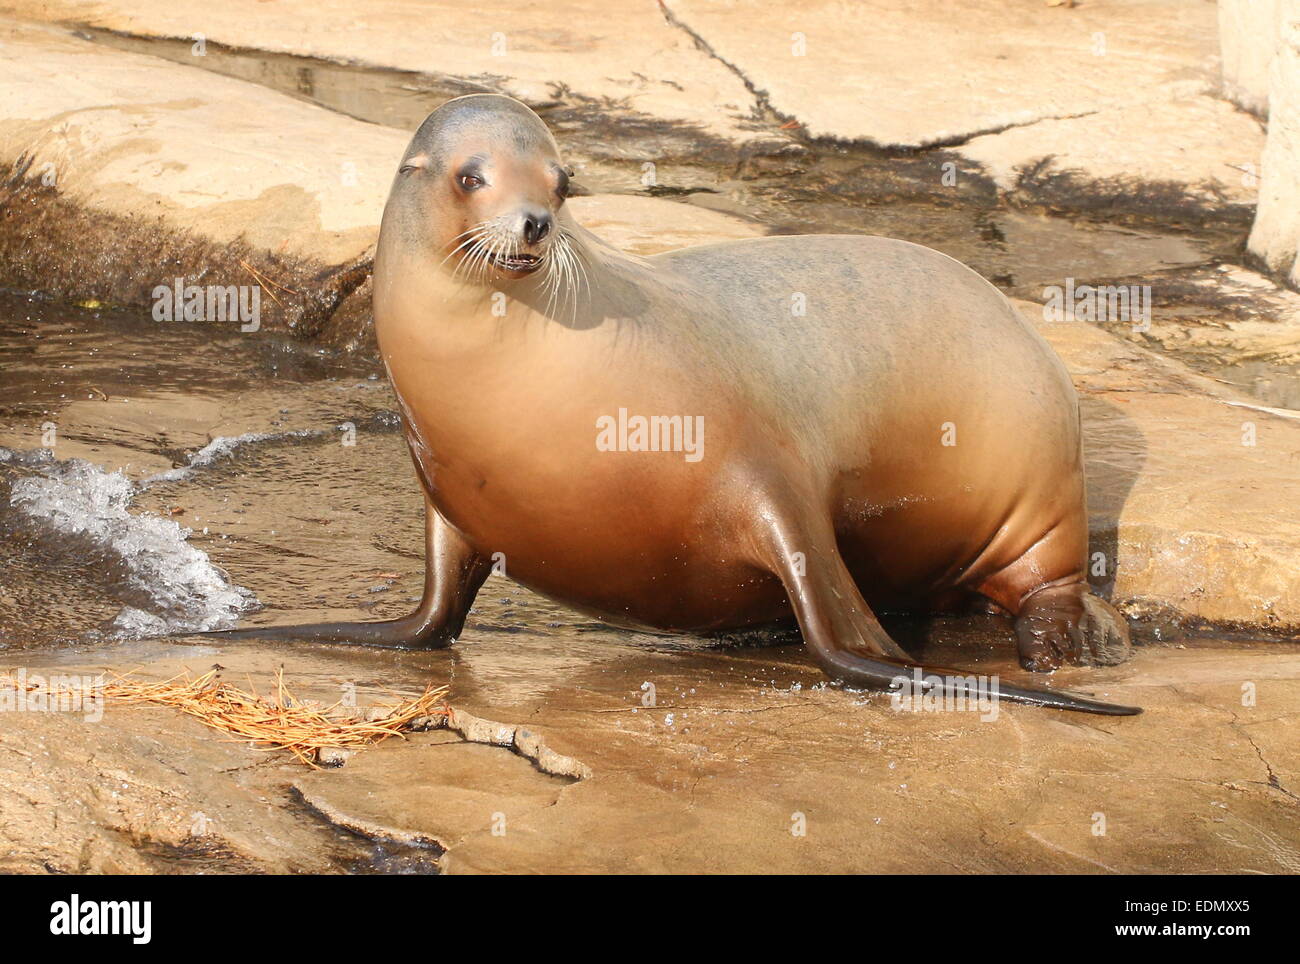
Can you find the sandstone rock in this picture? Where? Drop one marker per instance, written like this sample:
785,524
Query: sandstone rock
1105,104
901,74
874,789
211,155
1193,151
1168,451
1248,36
621,52
1275,238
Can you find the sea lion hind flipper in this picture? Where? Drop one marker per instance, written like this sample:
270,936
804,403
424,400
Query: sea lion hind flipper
902,677
850,645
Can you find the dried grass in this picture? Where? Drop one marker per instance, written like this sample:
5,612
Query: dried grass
304,728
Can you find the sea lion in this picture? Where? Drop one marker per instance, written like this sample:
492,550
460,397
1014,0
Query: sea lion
721,436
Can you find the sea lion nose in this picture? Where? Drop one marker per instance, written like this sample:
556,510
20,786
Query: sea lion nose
537,225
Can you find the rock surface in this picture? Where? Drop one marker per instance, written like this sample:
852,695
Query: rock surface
912,75
1233,324
1045,82
621,52
712,68
1248,37
136,135
1168,147
1217,545
1275,238
1203,782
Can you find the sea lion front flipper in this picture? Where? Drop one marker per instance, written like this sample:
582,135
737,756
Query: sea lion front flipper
835,620
453,573
847,640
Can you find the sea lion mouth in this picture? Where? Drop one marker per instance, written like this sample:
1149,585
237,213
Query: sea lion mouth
519,263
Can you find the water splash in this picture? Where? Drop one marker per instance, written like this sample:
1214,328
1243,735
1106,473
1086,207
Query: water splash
223,447
169,586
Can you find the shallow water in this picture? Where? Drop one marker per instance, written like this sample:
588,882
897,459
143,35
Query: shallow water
107,422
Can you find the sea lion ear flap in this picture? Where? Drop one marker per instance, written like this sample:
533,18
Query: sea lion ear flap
574,189
415,162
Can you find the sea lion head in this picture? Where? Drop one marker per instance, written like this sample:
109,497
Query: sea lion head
480,188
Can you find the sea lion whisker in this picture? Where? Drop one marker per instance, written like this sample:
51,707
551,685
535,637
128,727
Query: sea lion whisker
502,248
468,240
472,237
550,284
482,240
499,240
560,278
575,272
577,254
478,271
468,262
460,266
562,286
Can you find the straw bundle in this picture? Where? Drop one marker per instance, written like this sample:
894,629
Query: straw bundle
285,723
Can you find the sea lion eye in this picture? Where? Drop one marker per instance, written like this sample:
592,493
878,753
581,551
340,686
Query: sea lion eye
469,181
562,183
